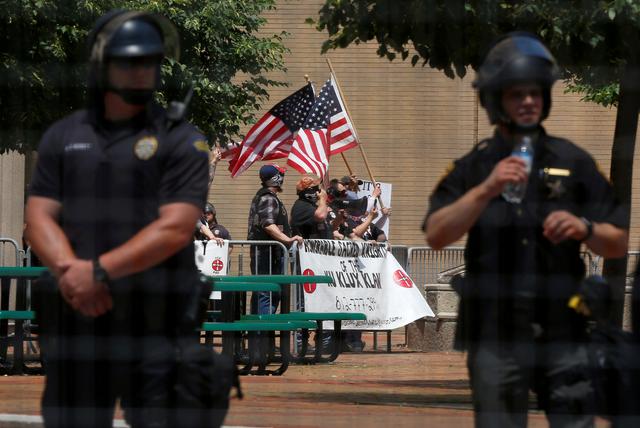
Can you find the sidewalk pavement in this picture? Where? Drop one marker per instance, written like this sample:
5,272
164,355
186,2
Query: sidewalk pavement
369,389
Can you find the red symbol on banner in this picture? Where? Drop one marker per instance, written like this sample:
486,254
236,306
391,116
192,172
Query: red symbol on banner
309,287
217,265
402,279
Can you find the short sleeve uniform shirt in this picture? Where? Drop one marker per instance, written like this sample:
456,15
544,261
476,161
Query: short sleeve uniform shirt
112,179
512,269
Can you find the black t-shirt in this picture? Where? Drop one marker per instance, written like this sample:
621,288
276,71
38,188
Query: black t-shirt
111,180
304,224
371,234
509,263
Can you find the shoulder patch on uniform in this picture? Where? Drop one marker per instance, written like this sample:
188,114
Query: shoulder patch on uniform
201,146
447,171
145,147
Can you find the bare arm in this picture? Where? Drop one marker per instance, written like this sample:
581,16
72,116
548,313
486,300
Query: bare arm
44,233
607,240
274,232
214,158
50,243
159,240
155,243
360,229
323,209
450,223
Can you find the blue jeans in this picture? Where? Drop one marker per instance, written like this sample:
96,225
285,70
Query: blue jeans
266,261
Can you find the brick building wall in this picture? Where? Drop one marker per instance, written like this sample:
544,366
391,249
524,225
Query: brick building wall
412,122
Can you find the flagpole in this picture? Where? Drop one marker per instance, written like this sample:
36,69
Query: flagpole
307,79
346,107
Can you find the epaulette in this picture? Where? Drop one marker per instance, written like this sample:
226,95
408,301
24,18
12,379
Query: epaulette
482,145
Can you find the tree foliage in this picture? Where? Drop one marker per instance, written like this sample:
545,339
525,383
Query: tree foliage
43,62
595,42
592,39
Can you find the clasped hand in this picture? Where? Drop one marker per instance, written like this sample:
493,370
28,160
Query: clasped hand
559,225
81,291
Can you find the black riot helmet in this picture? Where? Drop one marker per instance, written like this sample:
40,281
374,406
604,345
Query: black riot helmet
209,208
121,35
518,57
135,38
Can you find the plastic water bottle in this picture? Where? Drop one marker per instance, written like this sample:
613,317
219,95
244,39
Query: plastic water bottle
514,192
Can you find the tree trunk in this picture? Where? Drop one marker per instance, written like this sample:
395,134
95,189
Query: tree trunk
624,140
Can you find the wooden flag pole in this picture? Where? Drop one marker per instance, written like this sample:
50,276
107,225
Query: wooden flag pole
364,156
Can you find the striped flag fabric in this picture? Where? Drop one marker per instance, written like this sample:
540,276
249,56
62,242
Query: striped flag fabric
341,132
272,135
326,131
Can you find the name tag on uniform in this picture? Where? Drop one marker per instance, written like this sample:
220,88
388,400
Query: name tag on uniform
557,172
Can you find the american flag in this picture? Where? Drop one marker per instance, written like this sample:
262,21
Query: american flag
272,135
326,131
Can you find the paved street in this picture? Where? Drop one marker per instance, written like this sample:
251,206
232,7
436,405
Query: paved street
372,389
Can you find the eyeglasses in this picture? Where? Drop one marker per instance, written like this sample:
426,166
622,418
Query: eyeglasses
128,63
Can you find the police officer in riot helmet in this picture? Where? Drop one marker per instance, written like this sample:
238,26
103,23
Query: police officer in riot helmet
523,256
113,201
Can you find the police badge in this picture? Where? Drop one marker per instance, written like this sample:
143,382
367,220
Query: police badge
145,148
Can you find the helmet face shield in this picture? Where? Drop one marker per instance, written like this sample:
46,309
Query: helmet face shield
133,33
132,37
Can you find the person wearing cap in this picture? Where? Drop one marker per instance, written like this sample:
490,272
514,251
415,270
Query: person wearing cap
268,221
208,228
522,260
116,191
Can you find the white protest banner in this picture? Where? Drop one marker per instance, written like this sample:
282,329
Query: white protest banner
366,278
365,190
212,260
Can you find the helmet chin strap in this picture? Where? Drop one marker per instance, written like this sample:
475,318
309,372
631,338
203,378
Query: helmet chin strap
517,129
136,97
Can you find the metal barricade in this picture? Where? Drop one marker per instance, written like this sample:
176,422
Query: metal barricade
425,264
401,253
429,266
240,256
10,252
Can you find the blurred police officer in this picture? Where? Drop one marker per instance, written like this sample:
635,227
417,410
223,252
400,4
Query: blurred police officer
114,197
523,259
268,221
208,227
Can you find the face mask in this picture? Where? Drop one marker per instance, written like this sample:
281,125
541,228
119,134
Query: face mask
311,194
275,181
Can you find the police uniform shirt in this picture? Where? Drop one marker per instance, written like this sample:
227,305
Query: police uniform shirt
112,178
218,231
303,221
512,270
